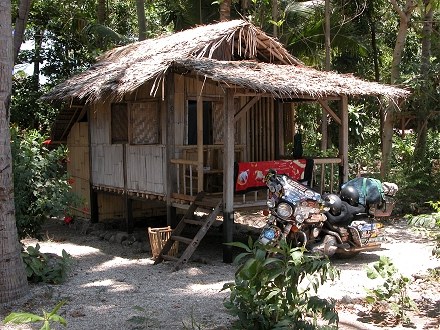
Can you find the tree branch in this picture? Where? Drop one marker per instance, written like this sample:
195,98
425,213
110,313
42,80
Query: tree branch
20,25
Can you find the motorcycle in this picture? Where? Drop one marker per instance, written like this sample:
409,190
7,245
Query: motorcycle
330,224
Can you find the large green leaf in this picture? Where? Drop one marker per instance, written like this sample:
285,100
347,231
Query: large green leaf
20,318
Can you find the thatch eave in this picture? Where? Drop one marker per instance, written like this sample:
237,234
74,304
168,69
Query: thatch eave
288,81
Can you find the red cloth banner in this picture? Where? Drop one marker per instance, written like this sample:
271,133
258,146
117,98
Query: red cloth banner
250,175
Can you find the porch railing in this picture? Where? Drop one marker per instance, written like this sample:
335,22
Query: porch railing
186,186
325,177
187,175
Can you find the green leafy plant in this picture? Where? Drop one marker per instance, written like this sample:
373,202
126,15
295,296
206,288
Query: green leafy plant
42,187
393,290
430,222
47,318
436,207
277,292
42,268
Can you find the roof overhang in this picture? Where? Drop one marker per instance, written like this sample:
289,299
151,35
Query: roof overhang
287,81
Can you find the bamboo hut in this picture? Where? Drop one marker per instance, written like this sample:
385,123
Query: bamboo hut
153,123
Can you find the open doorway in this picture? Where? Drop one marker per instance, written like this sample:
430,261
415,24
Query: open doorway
192,123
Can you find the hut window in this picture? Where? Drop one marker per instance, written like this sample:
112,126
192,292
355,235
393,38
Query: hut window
145,123
119,123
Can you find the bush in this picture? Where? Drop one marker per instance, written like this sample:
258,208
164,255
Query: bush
42,187
417,181
430,222
276,292
393,290
41,267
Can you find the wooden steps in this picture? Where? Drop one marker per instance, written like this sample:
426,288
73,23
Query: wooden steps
202,203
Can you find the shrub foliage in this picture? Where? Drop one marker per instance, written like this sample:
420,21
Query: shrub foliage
42,187
41,267
279,292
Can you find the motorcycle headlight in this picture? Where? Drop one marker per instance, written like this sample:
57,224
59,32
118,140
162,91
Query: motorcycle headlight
301,213
284,210
270,203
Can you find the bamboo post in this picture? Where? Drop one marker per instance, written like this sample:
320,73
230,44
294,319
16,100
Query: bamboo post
170,146
343,139
228,175
94,208
199,137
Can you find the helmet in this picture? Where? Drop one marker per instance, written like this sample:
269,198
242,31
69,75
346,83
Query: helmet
350,195
334,203
271,174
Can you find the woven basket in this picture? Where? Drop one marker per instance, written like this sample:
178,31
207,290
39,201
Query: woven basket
158,238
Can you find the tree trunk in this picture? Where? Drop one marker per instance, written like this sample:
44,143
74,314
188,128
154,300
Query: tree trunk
422,119
324,122
38,39
426,36
101,15
142,25
372,24
101,11
20,25
225,10
388,113
13,281
275,17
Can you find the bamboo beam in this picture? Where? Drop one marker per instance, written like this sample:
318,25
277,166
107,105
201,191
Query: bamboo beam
246,107
228,175
199,136
272,53
343,139
68,126
258,132
94,207
279,129
263,124
327,109
171,176
272,128
252,140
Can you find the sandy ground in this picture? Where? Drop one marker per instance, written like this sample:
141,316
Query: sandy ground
115,287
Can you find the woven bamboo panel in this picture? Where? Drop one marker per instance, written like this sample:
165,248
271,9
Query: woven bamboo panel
217,118
145,122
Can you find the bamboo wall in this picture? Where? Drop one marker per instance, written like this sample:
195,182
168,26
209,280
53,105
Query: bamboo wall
146,168
78,165
145,163
107,164
261,128
256,129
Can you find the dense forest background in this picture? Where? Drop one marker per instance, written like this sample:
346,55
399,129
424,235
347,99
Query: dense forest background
389,41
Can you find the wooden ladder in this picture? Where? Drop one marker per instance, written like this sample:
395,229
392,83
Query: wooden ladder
201,202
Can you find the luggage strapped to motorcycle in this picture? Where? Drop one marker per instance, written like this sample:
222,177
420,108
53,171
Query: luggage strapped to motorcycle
378,185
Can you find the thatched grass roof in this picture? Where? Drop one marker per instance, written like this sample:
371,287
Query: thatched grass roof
219,51
124,69
287,81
